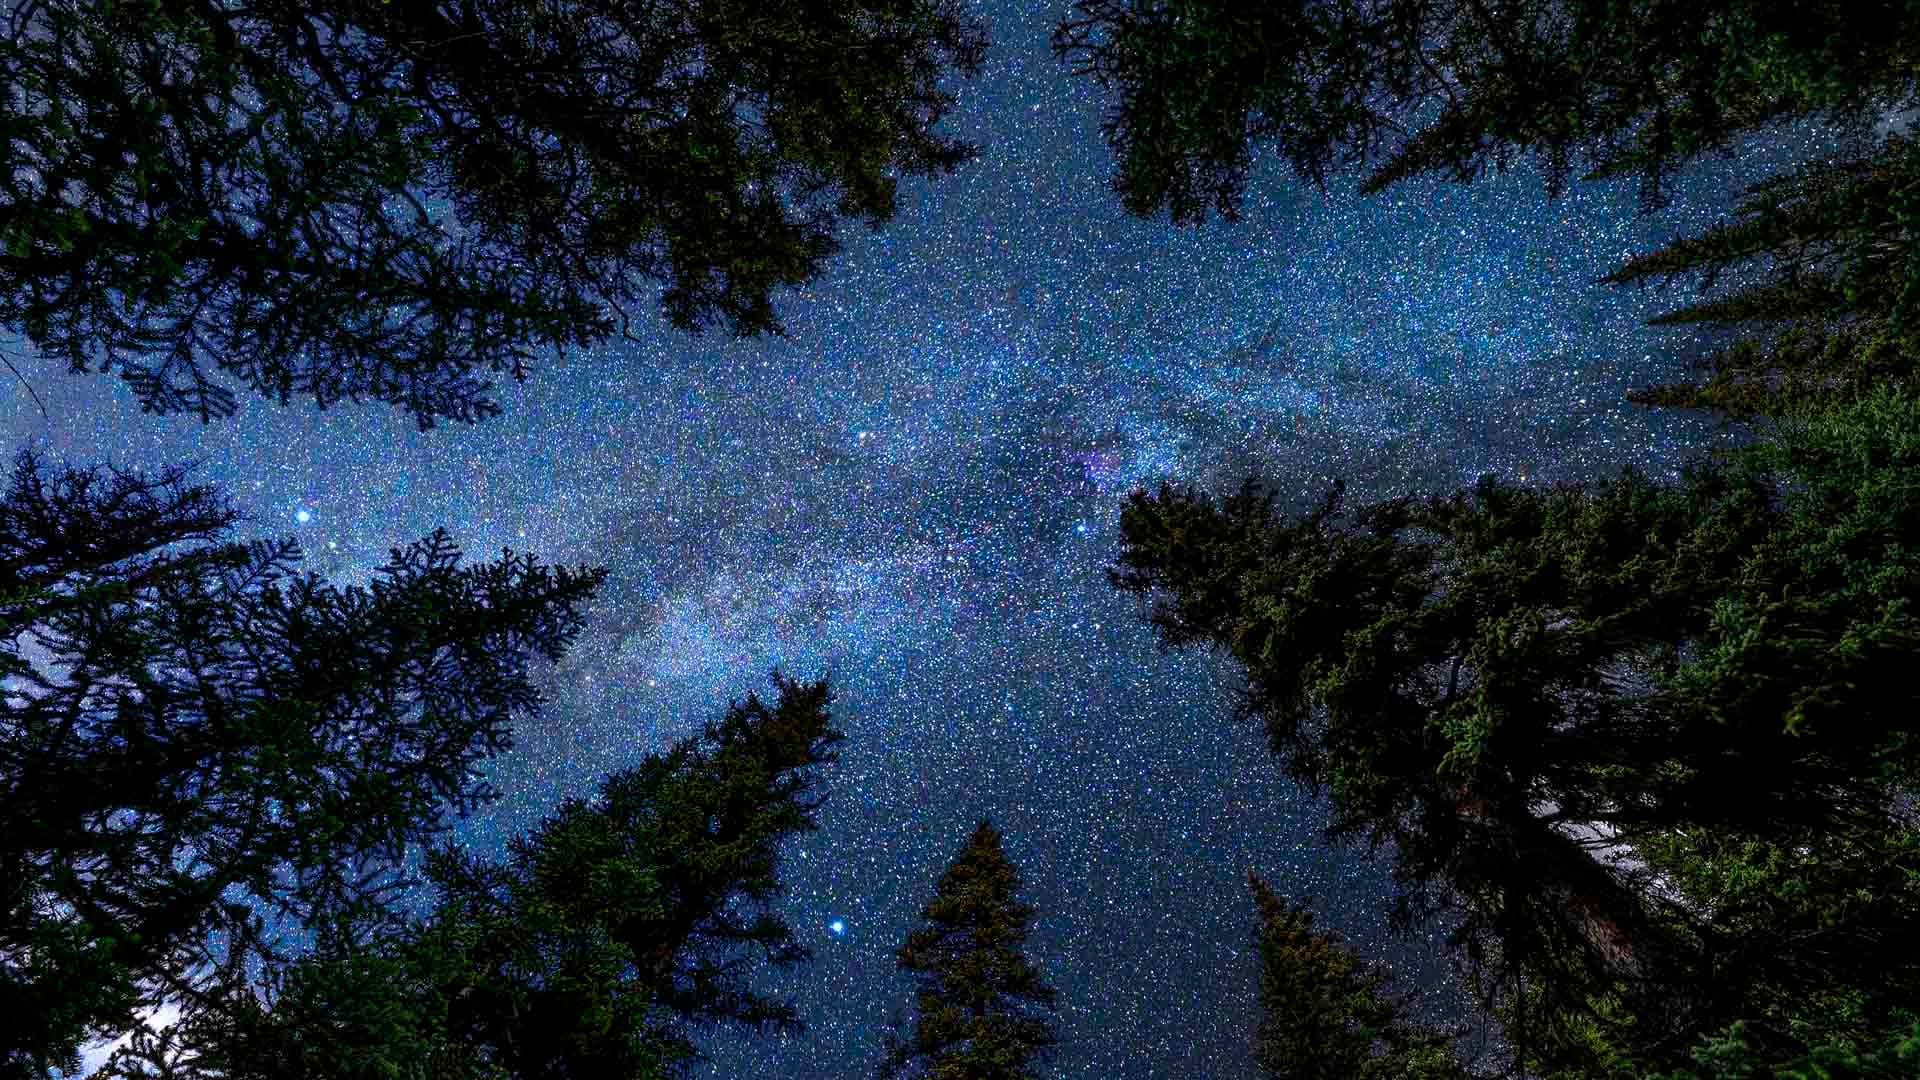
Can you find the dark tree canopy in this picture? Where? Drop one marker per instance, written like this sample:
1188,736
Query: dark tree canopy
1731,1055
1825,256
1411,86
1827,285
392,199
1473,677
195,737
981,1009
1326,1014
587,952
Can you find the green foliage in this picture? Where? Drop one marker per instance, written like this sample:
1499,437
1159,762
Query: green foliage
585,953
1411,87
1198,80
195,736
1444,651
1731,1056
394,200
727,803
1814,633
1842,271
1819,915
980,1006
1325,1014
1820,928
1825,255
1470,676
1587,1042
1807,369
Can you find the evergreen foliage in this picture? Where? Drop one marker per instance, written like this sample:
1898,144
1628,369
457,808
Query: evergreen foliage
195,738
1825,255
980,1012
1829,274
392,200
1474,677
1731,1056
1650,748
587,952
1410,87
1325,1013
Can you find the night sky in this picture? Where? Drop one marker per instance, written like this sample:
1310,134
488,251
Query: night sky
917,491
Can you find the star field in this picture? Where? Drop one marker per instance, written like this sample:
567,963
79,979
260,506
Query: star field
917,491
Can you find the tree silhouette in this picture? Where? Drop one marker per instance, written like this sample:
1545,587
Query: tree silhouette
1834,308
1325,1013
194,738
1731,1056
1825,256
393,200
979,1012
585,953
1410,87
1474,678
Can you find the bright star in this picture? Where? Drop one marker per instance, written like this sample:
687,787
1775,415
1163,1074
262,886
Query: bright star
839,927
302,517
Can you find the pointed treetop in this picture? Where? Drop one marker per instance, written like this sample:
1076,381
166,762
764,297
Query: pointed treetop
1326,1014
981,1004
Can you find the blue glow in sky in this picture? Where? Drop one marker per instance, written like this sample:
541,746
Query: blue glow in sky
916,491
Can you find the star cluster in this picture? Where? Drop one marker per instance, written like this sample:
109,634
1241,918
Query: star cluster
917,492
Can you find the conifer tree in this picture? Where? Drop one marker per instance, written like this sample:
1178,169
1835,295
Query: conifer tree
1826,256
1325,1013
195,738
1474,677
1829,275
588,952
1410,87
1731,1056
395,200
981,1008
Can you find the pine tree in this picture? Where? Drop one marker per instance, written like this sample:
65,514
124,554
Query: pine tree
196,739
587,952
1819,914
393,200
1834,310
1826,255
980,1010
1436,707
1471,676
1731,1056
1409,87
1326,1013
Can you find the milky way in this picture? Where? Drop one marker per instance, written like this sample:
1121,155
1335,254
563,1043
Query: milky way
917,491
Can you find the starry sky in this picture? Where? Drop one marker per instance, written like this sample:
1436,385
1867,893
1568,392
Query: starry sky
917,492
